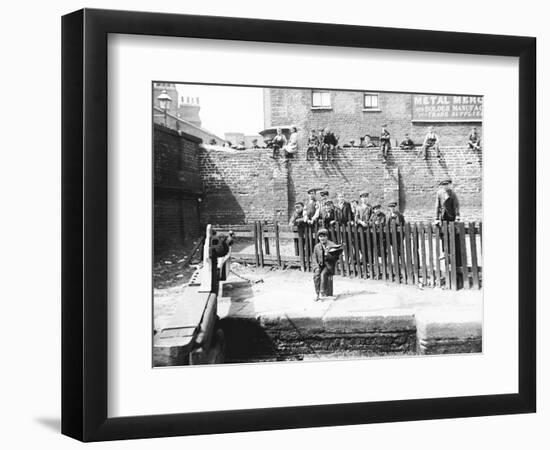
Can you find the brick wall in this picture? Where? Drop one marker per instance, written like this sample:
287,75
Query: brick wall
248,185
241,186
195,184
178,188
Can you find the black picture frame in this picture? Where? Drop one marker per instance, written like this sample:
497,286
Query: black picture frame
84,224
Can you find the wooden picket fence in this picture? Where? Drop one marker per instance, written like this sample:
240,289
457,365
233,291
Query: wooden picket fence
446,255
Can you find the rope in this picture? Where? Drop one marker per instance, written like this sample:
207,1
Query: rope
246,279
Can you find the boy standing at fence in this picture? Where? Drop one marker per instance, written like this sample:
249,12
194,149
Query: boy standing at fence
378,217
343,210
322,202
312,207
447,208
328,215
364,210
299,216
395,215
325,255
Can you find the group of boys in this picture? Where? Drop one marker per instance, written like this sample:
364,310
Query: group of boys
325,212
326,253
321,145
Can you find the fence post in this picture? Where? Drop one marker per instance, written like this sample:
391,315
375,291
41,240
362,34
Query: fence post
260,241
256,252
266,241
382,251
343,241
389,255
402,262
375,251
416,261
463,257
356,252
277,244
410,277
446,254
308,248
430,255
422,238
473,251
437,233
452,239
369,250
351,256
396,251
361,232
301,247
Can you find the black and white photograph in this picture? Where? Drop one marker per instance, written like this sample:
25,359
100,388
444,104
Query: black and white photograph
275,225
300,224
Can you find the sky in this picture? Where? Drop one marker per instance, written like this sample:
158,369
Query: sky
228,108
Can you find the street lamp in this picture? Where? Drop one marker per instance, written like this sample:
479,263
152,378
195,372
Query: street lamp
164,103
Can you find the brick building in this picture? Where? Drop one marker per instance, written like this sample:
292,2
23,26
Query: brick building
182,114
353,114
182,106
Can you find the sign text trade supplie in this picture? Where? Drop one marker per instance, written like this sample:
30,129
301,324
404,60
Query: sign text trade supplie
447,108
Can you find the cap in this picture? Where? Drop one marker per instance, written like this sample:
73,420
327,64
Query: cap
364,194
446,182
311,191
322,231
392,204
377,206
298,203
329,203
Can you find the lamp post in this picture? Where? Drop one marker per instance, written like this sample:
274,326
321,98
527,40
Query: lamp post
164,103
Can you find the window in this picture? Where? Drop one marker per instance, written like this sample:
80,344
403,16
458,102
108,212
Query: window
370,101
320,99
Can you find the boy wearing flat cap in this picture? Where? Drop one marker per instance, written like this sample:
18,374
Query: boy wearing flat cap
328,214
325,255
364,210
395,215
447,208
343,210
378,217
323,194
312,207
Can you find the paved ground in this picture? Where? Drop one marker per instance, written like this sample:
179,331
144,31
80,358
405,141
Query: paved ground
363,318
291,292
